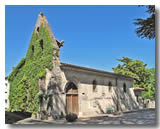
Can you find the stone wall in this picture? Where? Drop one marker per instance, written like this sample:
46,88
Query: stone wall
108,92
149,103
51,86
105,97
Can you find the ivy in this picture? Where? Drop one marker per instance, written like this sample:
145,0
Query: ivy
24,77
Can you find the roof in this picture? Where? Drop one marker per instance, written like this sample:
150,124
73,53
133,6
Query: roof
137,88
96,70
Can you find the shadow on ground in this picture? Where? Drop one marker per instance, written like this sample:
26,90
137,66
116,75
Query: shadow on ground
12,117
142,117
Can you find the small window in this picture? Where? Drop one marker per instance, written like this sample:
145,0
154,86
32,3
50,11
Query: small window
32,48
6,101
6,85
37,29
124,88
41,44
110,85
94,86
116,81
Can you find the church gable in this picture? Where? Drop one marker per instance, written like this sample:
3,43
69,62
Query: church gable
24,77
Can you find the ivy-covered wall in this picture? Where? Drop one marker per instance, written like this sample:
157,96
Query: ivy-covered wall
24,77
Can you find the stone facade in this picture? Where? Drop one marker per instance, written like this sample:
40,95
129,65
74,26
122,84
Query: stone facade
98,91
112,91
149,103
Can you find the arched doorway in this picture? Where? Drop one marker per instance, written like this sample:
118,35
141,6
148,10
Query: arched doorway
72,98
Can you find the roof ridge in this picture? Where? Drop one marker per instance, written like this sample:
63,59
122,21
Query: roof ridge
97,70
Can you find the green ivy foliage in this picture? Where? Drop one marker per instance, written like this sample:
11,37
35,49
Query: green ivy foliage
24,77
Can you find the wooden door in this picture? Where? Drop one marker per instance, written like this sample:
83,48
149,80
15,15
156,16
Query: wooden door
69,103
72,103
75,104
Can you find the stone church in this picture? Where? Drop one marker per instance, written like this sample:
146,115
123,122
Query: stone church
83,90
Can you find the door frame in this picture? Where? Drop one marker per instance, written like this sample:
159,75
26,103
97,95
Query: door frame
70,92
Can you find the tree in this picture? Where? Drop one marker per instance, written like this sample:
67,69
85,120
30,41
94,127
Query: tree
146,27
150,89
136,69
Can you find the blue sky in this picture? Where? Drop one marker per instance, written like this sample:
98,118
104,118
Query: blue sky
95,36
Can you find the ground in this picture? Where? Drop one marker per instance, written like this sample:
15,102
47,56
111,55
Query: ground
137,117
13,117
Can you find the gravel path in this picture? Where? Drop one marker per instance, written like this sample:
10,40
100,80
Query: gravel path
138,117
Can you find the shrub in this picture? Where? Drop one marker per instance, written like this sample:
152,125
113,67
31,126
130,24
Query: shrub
44,115
71,117
109,110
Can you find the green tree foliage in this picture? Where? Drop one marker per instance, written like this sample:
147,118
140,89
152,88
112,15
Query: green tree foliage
150,89
146,27
24,77
136,69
